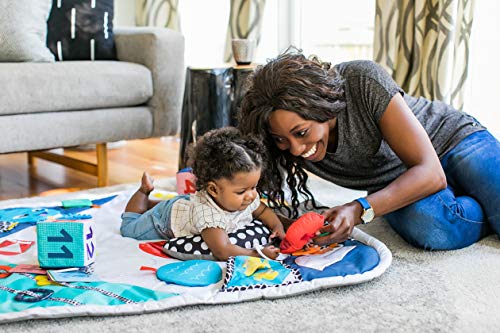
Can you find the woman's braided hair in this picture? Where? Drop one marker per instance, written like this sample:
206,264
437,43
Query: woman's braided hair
292,82
221,153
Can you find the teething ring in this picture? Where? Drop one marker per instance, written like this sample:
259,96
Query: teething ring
33,295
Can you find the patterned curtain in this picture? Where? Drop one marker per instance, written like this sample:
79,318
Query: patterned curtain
159,13
245,21
424,44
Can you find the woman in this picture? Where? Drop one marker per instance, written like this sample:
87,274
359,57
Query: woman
430,170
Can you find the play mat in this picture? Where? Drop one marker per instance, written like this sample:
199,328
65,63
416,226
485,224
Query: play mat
127,276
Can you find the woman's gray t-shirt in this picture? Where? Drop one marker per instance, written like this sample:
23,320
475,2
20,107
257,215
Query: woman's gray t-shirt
363,159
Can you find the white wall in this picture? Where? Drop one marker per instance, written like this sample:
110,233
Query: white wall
124,14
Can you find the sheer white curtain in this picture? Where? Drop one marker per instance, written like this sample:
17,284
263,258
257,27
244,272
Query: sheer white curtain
481,98
245,21
424,44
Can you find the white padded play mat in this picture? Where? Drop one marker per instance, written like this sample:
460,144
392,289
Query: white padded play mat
126,272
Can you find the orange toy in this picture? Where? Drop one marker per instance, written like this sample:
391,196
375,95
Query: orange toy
301,231
314,249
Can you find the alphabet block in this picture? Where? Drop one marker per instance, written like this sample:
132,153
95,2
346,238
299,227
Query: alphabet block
185,181
66,244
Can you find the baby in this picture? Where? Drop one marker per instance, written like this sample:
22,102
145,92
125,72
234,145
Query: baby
227,166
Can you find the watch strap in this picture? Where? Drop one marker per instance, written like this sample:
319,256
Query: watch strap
368,213
364,203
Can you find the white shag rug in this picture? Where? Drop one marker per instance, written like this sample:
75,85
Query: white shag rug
454,291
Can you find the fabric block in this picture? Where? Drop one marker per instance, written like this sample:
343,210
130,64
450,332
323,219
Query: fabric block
66,244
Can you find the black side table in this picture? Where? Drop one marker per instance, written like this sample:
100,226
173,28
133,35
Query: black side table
212,98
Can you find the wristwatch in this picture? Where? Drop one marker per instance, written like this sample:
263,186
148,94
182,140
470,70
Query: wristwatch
368,212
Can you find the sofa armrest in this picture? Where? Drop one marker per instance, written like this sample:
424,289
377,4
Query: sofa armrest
162,51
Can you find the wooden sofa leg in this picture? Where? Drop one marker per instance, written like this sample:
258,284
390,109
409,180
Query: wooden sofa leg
102,164
31,160
99,169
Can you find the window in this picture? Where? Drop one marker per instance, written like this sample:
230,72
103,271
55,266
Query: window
338,30
481,99
204,26
334,30
327,28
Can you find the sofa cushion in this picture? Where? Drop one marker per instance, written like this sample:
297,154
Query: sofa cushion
26,132
75,85
23,30
81,30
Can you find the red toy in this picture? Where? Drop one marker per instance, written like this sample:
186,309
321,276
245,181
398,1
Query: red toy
301,231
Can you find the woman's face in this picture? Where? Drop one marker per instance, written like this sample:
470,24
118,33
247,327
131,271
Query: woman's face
304,138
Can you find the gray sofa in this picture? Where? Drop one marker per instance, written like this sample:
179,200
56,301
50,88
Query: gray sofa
64,104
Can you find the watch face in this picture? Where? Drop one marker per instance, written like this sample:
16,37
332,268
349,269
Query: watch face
368,215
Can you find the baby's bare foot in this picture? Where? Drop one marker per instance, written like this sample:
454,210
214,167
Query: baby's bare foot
146,184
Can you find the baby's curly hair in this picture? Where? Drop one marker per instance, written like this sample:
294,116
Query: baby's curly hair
223,152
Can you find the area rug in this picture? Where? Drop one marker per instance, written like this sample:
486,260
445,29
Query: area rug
421,291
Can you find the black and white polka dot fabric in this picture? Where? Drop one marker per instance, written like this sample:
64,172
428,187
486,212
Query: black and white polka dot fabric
193,247
81,30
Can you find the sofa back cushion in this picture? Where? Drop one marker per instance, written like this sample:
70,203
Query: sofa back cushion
23,30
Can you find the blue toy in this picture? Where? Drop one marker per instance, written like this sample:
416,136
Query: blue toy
191,273
25,217
28,215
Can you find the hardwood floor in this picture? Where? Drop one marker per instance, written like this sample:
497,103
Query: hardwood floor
158,156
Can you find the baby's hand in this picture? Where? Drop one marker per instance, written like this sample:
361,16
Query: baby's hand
278,232
274,241
271,251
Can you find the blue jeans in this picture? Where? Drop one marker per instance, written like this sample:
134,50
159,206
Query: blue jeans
467,210
152,224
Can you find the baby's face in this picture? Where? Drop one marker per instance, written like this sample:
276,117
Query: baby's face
237,193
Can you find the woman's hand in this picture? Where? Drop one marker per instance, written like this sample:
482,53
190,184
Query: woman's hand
341,221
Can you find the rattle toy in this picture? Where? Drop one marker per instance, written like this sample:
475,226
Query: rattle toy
301,231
